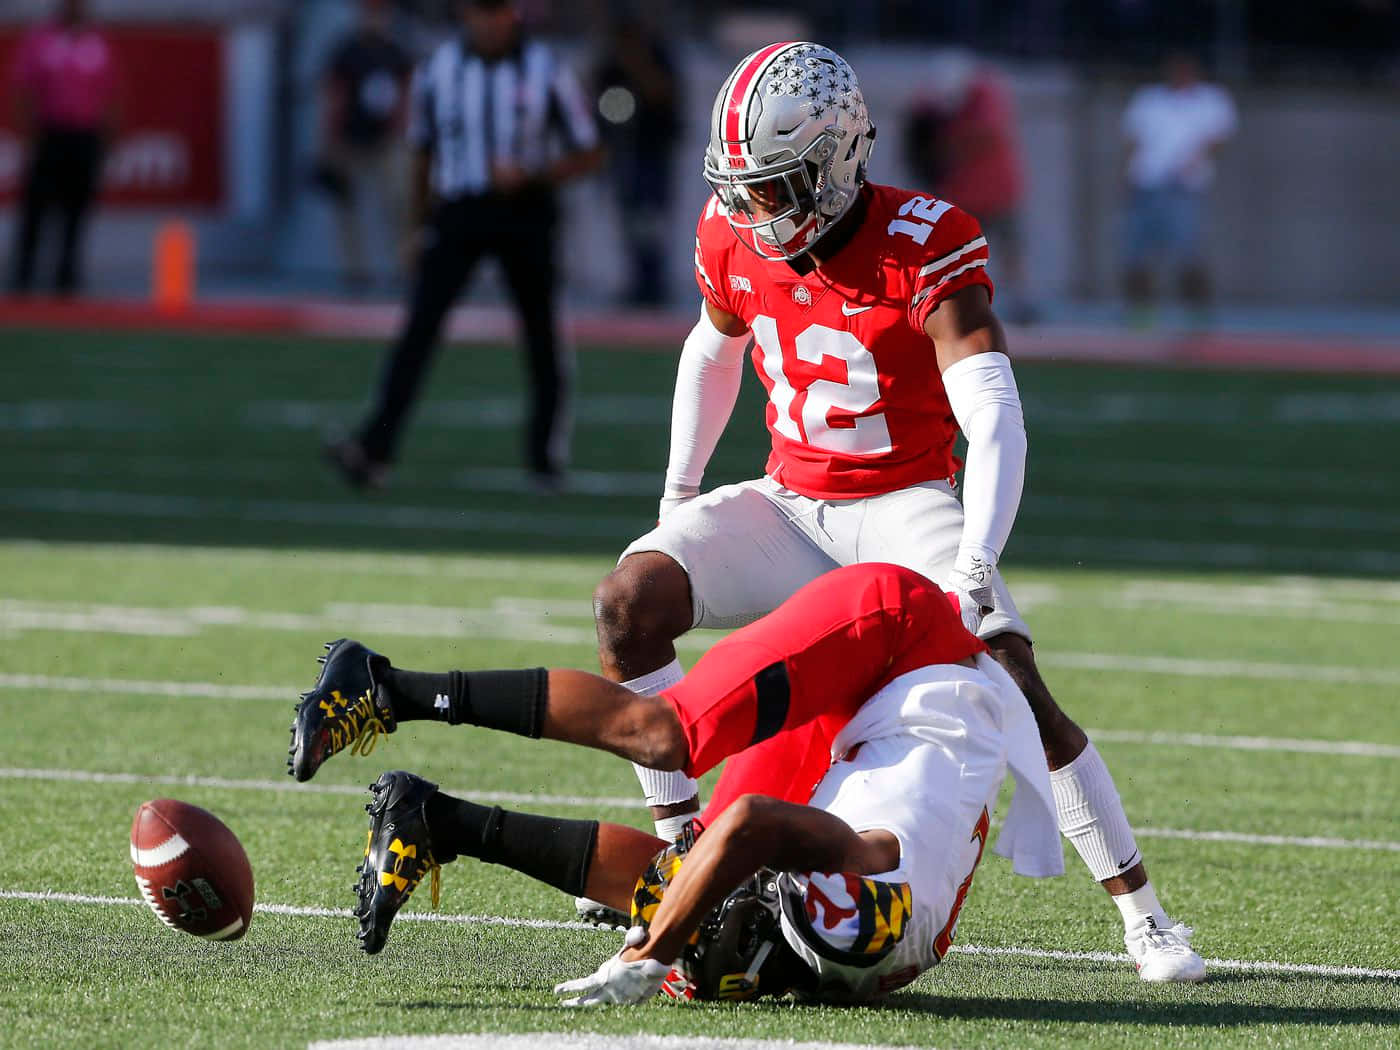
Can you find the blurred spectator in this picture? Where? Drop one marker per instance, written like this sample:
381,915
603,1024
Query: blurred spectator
638,97
962,143
65,85
364,93
484,115
1172,130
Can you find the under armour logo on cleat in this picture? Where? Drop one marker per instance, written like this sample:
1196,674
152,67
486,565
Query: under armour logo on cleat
441,702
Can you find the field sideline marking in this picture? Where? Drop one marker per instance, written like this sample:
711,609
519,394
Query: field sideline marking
1297,591
1269,966
538,619
121,503
576,1040
288,694
79,776
169,466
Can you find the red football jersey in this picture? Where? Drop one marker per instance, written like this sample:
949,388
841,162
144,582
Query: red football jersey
856,405
840,639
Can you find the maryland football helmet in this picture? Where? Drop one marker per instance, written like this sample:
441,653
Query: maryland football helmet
738,951
789,141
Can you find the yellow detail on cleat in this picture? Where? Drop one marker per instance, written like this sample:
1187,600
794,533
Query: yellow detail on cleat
403,883
355,725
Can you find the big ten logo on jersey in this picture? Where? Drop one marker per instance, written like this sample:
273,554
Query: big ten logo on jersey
927,209
740,283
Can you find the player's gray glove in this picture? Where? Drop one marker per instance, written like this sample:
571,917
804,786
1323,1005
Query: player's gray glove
617,982
673,498
971,580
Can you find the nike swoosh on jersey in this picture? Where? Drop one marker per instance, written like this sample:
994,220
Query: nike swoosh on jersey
851,311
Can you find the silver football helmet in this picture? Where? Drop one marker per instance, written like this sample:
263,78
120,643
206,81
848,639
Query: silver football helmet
789,141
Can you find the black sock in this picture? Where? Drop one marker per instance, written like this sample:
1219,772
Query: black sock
513,701
555,851
416,695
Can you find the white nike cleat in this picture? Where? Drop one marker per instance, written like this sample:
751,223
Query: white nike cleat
1164,955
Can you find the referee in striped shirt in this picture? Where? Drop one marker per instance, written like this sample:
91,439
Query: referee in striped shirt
496,121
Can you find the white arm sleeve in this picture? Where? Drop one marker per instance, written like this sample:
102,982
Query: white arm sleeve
982,393
707,385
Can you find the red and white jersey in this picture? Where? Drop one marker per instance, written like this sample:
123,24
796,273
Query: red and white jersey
856,405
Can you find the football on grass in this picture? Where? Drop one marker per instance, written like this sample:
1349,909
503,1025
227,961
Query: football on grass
192,870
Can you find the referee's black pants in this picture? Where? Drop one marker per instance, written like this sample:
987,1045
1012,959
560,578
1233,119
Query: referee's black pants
519,231
62,175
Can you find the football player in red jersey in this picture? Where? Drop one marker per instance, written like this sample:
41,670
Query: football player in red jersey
869,312
867,733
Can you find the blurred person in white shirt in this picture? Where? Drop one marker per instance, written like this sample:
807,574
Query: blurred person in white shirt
1173,130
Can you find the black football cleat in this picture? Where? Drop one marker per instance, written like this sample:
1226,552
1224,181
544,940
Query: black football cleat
398,853
346,708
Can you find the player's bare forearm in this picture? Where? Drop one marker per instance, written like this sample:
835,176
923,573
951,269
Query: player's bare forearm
963,325
620,856
757,832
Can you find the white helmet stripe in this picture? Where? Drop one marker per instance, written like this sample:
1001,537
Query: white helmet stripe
746,80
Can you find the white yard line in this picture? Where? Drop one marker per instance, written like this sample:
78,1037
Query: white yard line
563,525
1360,748
136,687
1098,550
1293,591
288,694
541,569
82,776
1176,665
1266,965
106,464
597,802
575,1040
308,512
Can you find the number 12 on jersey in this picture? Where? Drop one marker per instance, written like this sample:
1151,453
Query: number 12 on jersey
926,208
869,435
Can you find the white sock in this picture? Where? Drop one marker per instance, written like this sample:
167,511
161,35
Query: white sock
662,788
1141,904
1091,815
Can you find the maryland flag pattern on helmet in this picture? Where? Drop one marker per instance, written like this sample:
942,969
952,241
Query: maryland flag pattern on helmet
844,917
646,898
651,887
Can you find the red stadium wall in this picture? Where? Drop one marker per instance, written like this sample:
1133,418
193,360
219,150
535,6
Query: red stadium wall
169,148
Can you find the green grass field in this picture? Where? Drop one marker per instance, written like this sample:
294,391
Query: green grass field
1208,560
